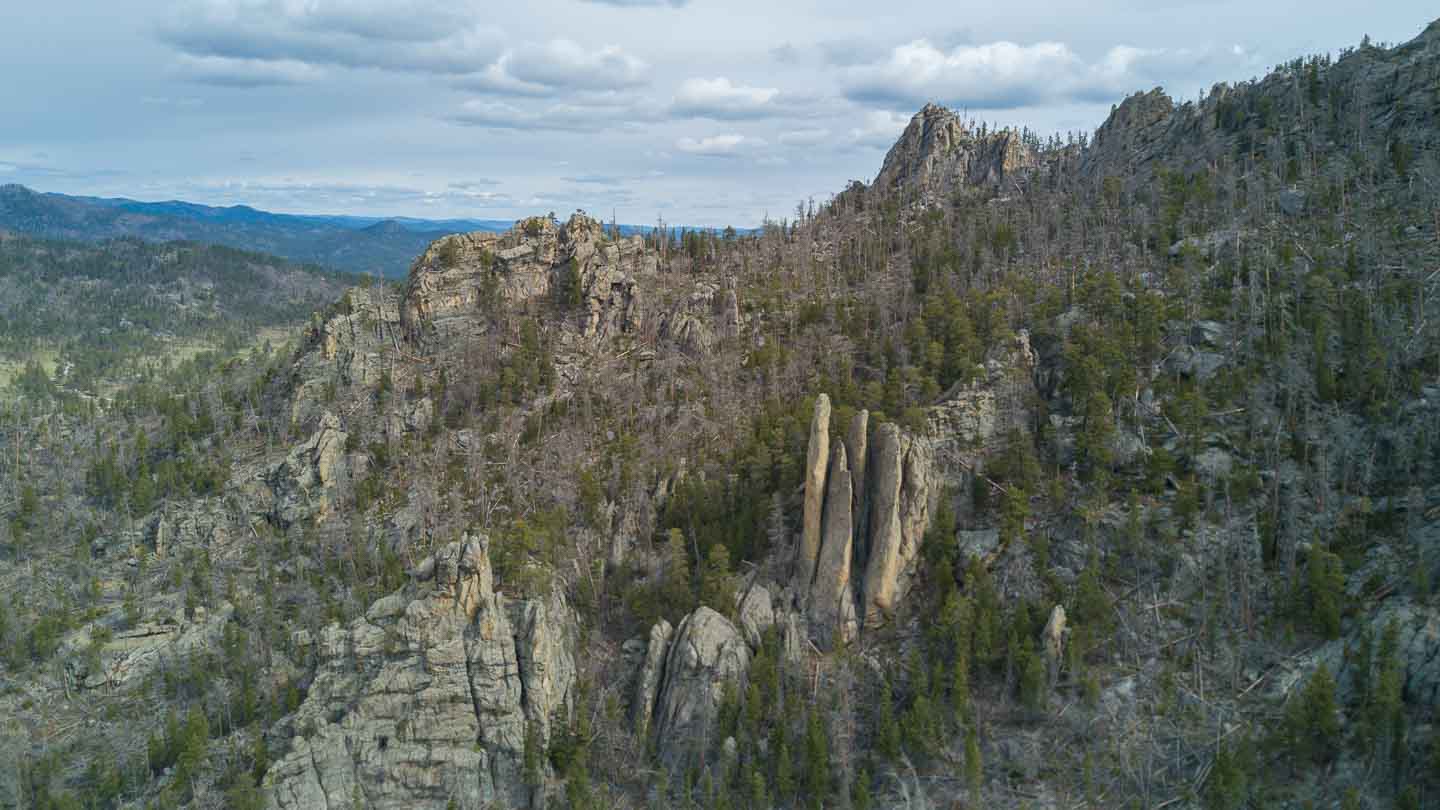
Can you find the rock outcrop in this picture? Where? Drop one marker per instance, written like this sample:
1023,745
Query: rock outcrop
1052,641
831,602
647,684
899,516
857,448
429,698
708,651
460,275
304,483
1417,650
129,654
939,154
756,614
817,458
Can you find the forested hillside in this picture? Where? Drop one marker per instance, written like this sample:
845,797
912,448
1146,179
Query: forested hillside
1032,474
85,319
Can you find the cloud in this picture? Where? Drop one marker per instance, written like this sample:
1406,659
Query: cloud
720,98
328,195
425,36
560,64
1005,75
879,130
501,115
225,71
726,145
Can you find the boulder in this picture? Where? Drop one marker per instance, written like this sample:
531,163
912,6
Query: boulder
817,458
831,601
1208,333
1291,202
708,651
757,614
647,686
1190,362
1213,464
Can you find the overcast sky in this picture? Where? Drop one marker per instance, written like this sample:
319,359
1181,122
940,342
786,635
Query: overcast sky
706,112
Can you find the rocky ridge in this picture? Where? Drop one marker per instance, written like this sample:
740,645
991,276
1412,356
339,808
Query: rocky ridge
433,696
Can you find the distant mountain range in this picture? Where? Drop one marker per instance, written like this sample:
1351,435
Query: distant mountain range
377,245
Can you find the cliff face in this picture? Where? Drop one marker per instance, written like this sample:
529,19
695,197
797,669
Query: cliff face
428,699
577,264
939,154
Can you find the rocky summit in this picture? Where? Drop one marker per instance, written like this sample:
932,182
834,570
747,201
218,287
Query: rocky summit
1034,473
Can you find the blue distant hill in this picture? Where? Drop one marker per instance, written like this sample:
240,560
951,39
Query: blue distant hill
382,246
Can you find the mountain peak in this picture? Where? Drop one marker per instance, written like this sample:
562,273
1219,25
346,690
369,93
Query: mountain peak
938,153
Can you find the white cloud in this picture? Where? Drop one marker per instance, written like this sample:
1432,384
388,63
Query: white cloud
426,36
231,72
559,65
879,129
721,98
998,75
556,117
1005,75
726,145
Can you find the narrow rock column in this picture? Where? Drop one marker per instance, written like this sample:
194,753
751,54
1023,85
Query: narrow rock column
1053,639
857,448
832,606
648,685
883,566
816,460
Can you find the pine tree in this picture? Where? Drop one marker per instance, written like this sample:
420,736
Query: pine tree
1092,604
860,798
1225,789
1326,579
1031,666
974,769
817,760
1312,719
717,582
887,730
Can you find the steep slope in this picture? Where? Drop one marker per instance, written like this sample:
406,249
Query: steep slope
1029,475
93,317
939,154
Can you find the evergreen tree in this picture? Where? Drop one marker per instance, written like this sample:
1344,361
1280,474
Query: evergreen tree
817,760
887,730
1312,720
1225,789
717,582
974,769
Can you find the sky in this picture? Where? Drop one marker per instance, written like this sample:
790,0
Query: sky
700,112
